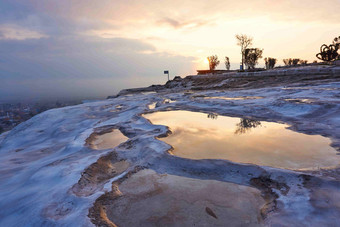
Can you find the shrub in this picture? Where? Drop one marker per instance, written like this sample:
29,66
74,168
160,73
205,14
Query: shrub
252,55
227,63
270,62
291,61
213,62
303,62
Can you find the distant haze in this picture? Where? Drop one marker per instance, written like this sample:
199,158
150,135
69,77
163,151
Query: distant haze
80,49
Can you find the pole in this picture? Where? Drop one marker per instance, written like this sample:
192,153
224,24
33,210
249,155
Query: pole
167,72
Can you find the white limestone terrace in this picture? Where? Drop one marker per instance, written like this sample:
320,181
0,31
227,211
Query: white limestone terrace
246,80
43,158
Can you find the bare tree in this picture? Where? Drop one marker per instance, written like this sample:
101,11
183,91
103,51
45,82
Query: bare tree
227,63
244,42
213,62
251,56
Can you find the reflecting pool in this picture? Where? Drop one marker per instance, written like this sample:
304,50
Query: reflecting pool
210,136
108,140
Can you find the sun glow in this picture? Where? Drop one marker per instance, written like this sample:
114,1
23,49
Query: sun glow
206,62
202,63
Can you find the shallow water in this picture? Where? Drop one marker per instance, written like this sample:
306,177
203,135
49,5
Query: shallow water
308,101
234,98
210,136
152,105
150,199
108,140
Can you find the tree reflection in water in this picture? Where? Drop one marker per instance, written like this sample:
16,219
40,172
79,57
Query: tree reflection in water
212,116
246,125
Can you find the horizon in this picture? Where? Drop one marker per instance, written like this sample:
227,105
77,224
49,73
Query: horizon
69,50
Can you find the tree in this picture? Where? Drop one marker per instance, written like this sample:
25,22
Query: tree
244,42
251,57
330,52
227,63
213,62
246,125
270,62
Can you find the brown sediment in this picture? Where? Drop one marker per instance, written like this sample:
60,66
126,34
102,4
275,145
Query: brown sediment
97,213
266,186
97,174
210,212
150,199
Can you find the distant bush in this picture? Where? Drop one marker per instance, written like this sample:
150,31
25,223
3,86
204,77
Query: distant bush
287,61
251,56
227,63
291,61
296,61
303,62
270,62
213,62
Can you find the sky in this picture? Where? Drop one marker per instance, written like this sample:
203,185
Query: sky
84,49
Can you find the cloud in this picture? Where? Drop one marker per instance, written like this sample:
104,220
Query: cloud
177,24
169,21
8,32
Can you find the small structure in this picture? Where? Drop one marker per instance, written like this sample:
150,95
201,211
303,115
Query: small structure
167,72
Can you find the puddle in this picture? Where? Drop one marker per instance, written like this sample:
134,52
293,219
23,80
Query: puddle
169,101
307,101
108,140
234,98
308,88
119,107
152,106
149,92
150,199
165,101
210,136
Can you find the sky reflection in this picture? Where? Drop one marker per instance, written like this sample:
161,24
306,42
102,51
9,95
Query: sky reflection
196,136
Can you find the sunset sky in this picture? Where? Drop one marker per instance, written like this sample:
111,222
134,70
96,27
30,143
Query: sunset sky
88,49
